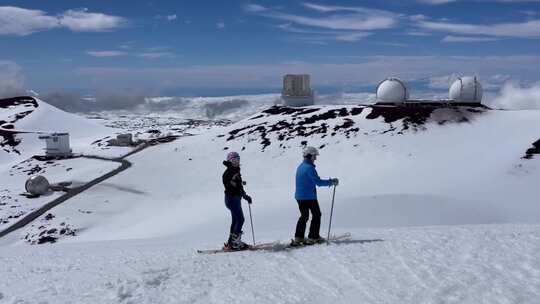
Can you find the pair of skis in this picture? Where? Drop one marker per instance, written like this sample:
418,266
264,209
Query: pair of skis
275,246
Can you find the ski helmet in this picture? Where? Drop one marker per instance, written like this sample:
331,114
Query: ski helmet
310,151
233,156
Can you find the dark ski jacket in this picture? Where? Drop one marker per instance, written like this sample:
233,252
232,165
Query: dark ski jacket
232,180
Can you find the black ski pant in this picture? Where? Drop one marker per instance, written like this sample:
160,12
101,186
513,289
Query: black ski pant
305,207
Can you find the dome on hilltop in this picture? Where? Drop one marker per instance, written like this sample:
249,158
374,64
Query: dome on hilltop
392,90
466,89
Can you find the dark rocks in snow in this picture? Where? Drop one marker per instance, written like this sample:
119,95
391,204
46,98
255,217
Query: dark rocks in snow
393,114
8,140
281,110
10,207
25,101
46,239
49,231
309,121
34,170
532,151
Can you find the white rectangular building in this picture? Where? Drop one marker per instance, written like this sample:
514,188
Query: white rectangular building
297,90
57,144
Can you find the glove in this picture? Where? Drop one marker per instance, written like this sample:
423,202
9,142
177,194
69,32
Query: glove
248,198
334,181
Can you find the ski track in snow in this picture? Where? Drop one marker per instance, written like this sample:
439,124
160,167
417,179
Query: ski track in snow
460,264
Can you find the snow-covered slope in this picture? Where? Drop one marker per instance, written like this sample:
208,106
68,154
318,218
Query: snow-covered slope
29,114
398,167
22,121
460,264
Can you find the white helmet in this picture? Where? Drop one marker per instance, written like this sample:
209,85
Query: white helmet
310,151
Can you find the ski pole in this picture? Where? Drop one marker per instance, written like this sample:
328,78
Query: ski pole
251,220
331,213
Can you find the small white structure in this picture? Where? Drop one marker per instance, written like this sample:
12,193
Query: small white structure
297,90
57,144
392,91
466,89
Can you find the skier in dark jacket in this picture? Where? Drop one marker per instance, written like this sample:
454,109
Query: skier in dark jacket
307,181
234,192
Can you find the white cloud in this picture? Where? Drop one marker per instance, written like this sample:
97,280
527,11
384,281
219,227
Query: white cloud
418,17
254,8
126,46
515,96
467,39
338,8
354,18
170,18
11,79
156,55
364,71
351,37
322,36
21,22
106,53
85,21
436,2
418,33
528,29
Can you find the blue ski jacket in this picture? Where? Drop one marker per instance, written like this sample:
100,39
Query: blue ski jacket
306,181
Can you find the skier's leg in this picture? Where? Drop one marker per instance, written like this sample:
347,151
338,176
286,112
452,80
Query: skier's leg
315,220
241,219
229,205
237,214
302,221
236,210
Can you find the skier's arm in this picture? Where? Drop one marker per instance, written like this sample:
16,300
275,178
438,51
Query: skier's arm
318,181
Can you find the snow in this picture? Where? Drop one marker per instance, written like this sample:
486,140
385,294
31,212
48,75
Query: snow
441,203
77,171
48,119
444,264
451,174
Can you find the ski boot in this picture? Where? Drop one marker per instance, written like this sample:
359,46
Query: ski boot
298,241
316,240
235,242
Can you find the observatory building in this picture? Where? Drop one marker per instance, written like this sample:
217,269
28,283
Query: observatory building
57,145
297,90
465,91
392,91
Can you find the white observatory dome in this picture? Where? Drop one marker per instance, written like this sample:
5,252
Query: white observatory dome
392,90
466,89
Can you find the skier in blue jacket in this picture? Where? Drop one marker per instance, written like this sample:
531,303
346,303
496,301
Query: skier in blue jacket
307,180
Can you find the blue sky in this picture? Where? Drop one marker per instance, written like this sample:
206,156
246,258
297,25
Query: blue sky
229,47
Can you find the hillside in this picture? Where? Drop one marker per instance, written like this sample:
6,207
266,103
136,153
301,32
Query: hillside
22,119
441,203
398,167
